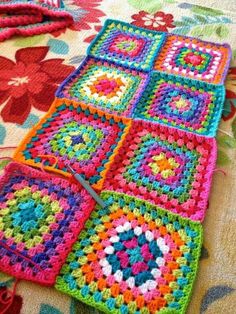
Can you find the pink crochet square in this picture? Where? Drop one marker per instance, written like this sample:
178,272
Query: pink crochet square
41,216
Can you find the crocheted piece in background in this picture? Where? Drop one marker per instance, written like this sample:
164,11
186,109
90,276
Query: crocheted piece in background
168,167
183,103
40,218
127,45
133,257
105,85
32,17
194,58
77,135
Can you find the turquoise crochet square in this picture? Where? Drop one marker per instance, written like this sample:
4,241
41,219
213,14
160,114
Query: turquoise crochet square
127,45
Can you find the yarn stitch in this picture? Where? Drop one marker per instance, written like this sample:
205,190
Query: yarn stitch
133,257
194,58
165,166
183,103
105,85
78,135
40,218
126,45
32,17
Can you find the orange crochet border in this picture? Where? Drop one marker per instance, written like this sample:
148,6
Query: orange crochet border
168,43
19,157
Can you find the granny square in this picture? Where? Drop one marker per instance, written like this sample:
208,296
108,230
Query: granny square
133,257
165,166
40,218
77,135
183,103
127,45
112,88
194,58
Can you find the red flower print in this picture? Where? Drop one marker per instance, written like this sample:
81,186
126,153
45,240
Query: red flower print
89,14
29,81
230,99
91,37
85,13
13,306
157,22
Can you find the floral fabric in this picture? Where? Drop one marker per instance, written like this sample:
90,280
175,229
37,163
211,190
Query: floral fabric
30,81
158,21
31,70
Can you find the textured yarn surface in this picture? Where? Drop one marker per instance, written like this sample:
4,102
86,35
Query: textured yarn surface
105,85
190,105
41,216
77,135
133,257
32,17
127,45
194,58
170,168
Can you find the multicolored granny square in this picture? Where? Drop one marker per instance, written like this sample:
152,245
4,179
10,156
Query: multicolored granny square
114,89
133,257
182,103
40,219
127,45
194,58
165,166
77,135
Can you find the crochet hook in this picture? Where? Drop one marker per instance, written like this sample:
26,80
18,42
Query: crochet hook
88,188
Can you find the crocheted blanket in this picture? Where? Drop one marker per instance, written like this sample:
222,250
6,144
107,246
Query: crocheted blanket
137,119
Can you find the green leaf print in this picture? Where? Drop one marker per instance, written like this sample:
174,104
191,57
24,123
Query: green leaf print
233,126
202,26
222,31
201,19
234,54
222,159
226,141
28,41
201,31
206,11
150,6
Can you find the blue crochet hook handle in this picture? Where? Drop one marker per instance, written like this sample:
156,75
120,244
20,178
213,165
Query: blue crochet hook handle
87,187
